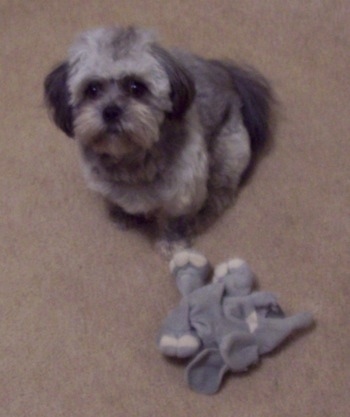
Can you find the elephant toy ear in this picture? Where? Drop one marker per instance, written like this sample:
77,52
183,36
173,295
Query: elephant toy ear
239,350
206,371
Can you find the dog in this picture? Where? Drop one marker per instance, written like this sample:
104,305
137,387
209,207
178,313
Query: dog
165,136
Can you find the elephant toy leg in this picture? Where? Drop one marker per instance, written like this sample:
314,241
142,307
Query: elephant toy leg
191,270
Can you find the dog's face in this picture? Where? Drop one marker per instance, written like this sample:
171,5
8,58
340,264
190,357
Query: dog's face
116,89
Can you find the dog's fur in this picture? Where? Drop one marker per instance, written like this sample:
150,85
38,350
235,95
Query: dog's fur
164,135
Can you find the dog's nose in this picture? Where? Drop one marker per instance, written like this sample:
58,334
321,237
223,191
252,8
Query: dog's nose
111,113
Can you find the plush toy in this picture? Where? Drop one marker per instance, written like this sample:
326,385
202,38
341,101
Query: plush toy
222,326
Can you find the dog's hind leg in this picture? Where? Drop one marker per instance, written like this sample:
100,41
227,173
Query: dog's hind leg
229,157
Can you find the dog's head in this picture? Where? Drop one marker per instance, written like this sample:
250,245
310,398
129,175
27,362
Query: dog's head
116,90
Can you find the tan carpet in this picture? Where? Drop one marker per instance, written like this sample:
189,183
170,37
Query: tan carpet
81,302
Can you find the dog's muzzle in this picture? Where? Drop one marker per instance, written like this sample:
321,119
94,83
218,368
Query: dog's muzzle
111,114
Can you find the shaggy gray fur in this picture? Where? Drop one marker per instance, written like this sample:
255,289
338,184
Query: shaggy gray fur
164,135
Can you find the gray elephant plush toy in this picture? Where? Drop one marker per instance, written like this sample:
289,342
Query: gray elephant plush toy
222,326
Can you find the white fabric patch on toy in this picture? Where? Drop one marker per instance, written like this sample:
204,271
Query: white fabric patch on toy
180,347
224,268
252,321
183,258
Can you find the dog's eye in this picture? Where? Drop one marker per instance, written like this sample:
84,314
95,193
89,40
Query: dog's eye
93,90
134,87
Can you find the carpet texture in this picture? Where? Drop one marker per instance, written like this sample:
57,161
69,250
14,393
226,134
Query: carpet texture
81,301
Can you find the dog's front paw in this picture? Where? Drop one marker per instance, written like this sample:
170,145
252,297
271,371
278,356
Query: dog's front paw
180,347
168,248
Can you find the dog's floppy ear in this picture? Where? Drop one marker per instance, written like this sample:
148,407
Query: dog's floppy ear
57,98
181,83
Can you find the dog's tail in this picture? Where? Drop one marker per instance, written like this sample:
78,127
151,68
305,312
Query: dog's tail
257,98
257,101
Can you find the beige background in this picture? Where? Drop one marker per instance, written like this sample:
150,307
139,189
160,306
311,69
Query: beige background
81,302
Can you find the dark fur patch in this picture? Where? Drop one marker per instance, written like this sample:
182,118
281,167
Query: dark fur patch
182,85
57,98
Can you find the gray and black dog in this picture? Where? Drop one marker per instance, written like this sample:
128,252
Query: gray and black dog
164,135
